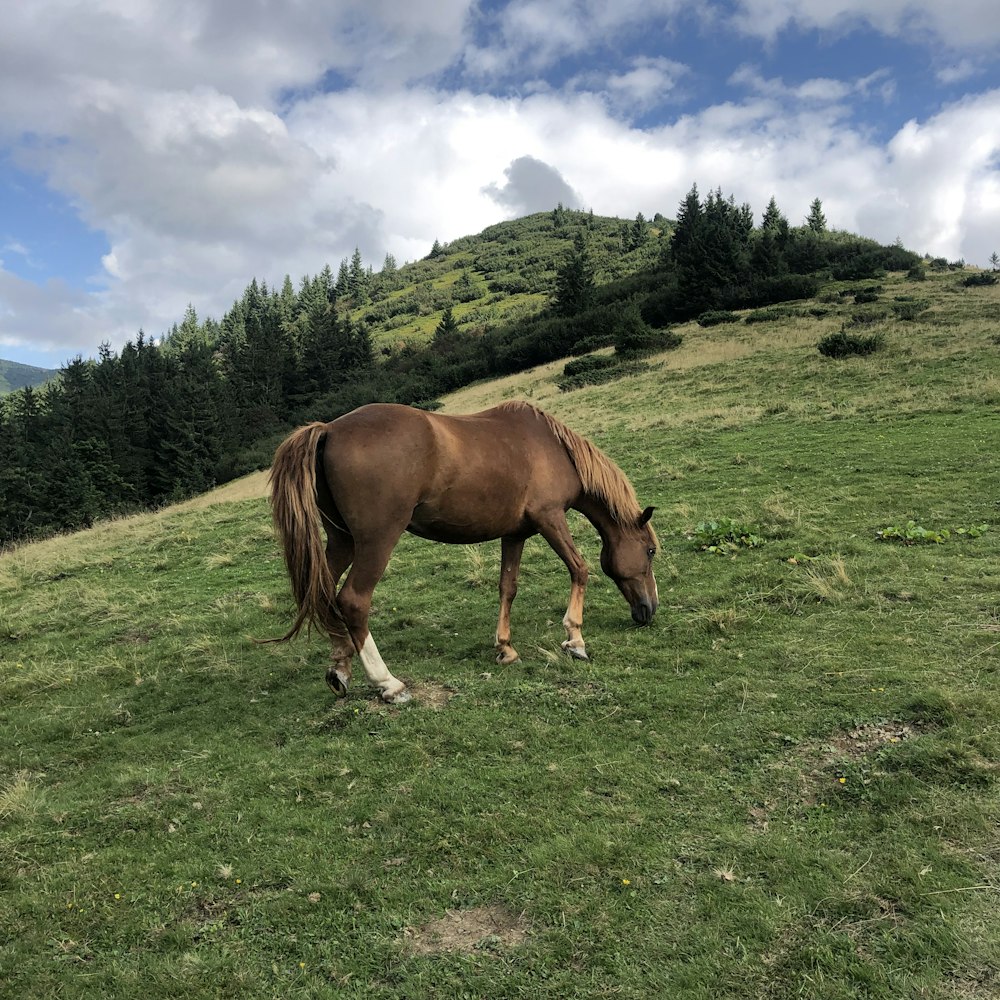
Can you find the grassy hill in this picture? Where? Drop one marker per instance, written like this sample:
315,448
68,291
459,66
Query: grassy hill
509,272
785,786
14,375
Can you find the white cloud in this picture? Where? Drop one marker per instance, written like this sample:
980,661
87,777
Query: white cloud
970,24
535,33
958,72
818,90
197,141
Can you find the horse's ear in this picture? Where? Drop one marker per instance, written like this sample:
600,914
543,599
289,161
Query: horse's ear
645,516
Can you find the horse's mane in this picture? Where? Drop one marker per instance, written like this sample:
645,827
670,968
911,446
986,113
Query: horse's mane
600,477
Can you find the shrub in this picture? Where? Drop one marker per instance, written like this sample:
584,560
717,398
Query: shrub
600,374
860,298
716,316
916,273
771,314
865,265
843,344
909,310
979,278
867,317
768,291
589,363
634,337
634,343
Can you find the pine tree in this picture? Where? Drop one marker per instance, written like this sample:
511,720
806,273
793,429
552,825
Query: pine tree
466,288
447,330
575,281
994,261
773,218
637,233
816,220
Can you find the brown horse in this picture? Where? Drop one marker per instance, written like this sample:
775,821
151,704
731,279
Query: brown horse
509,473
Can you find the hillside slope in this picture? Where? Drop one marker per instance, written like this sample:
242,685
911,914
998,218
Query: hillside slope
14,375
786,785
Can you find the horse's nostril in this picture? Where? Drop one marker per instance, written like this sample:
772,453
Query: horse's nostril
642,613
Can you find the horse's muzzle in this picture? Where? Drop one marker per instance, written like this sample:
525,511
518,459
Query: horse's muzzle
643,611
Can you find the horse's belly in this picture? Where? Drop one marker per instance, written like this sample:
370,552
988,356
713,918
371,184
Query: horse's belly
463,527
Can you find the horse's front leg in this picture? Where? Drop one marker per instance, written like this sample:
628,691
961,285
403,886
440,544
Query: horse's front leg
355,602
510,565
555,531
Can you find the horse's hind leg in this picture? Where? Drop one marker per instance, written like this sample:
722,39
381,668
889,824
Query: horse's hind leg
339,555
355,601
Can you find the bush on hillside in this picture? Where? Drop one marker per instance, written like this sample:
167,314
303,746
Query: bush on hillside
979,278
844,344
716,316
772,314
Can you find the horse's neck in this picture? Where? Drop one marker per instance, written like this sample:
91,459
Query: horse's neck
596,511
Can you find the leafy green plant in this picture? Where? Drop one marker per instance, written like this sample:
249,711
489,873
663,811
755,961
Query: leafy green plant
725,536
973,531
912,534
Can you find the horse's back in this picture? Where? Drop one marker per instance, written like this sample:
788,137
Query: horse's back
452,478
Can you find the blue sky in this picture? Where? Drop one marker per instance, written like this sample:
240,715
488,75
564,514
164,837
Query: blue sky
153,156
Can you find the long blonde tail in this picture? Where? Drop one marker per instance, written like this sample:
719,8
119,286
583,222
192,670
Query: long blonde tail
297,521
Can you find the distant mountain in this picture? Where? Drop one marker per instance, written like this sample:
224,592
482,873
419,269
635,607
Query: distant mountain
16,376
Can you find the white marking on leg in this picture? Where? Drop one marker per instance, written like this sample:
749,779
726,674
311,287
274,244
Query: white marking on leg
377,672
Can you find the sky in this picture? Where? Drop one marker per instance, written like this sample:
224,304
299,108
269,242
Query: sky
155,156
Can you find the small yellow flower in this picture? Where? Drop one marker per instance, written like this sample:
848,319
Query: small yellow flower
239,881
626,881
843,781
302,965
118,895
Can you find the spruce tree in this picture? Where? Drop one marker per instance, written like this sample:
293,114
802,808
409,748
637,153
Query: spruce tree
816,220
575,281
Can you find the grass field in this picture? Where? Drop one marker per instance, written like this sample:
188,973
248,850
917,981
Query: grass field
786,786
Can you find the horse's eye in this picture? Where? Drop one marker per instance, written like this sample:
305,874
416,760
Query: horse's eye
650,553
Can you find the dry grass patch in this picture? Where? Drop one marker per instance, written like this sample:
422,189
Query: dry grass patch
483,928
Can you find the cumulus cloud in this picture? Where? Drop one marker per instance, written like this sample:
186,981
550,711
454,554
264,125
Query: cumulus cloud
201,144
971,24
532,186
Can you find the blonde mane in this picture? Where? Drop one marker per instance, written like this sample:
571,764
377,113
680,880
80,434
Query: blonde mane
600,477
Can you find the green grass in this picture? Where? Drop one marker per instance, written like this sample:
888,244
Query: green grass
785,786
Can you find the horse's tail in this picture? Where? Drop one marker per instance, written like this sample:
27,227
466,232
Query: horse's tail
297,522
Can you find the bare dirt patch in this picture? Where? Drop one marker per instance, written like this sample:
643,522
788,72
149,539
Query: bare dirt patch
870,736
483,928
432,695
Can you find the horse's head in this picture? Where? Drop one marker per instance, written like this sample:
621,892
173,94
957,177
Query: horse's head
627,557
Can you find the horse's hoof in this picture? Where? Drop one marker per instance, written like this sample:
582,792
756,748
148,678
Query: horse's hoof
577,652
508,656
400,697
338,681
